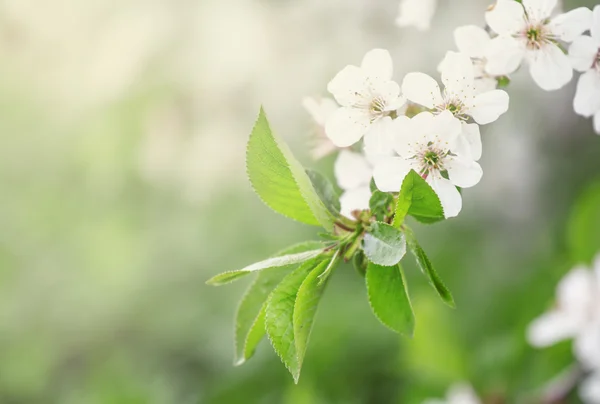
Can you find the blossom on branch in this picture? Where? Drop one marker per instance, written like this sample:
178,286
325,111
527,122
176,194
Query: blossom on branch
353,173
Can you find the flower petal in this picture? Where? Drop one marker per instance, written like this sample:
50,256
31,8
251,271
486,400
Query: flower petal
539,10
487,107
570,25
378,63
404,133
355,199
587,345
504,55
587,95
390,172
458,75
550,68
422,89
462,172
582,53
350,87
575,293
595,31
444,128
589,389
550,328
388,91
416,13
462,394
472,40
378,139
468,144
347,126
506,17
352,170
597,122
485,84
448,194
319,109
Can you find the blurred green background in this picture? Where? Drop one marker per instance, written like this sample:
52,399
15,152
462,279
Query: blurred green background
123,189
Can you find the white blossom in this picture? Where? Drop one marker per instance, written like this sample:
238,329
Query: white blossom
590,389
429,145
528,31
458,394
367,94
585,57
320,111
416,13
353,173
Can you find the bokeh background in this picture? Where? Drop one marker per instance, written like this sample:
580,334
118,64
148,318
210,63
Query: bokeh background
123,130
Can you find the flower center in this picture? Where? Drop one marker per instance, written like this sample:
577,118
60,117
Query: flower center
377,106
537,35
456,106
431,159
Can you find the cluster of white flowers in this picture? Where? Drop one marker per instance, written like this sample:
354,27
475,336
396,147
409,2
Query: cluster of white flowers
389,129
576,316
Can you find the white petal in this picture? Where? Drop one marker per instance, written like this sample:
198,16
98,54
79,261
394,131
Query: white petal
347,126
378,139
582,53
462,172
378,63
587,346
468,144
550,328
403,136
319,110
575,293
539,10
458,75
472,40
352,170
422,89
390,173
448,194
356,199
350,87
487,107
417,13
504,55
388,91
462,394
569,26
587,95
597,122
485,84
595,31
589,389
550,68
444,128
506,17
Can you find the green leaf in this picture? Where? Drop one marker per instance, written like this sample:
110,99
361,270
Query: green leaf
325,191
305,308
388,296
280,180
250,315
380,203
427,268
230,276
279,316
583,230
419,200
360,263
384,244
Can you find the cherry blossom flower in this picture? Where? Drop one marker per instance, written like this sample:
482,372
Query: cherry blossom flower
353,173
320,110
366,95
428,144
585,57
528,31
458,394
416,13
459,96
473,41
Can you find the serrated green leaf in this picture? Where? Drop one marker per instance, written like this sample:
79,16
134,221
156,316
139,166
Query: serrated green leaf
249,322
305,308
360,263
380,203
279,316
326,191
280,180
384,244
228,277
583,230
389,299
419,200
427,268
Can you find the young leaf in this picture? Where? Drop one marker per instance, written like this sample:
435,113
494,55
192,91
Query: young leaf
419,200
230,276
379,203
250,315
384,244
427,268
305,308
326,191
279,316
280,180
388,296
